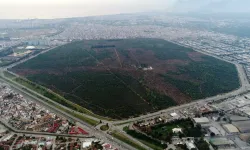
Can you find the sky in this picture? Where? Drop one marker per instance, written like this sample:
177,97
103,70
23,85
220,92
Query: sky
27,9
23,9
212,6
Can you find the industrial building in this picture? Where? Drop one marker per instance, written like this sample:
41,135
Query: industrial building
245,137
30,48
222,143
190,145
214,130
202,120
235,118
230,128
243,126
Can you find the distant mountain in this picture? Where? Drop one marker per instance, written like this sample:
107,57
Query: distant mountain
212,6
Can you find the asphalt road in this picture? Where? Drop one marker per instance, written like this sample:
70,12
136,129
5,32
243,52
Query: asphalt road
41,133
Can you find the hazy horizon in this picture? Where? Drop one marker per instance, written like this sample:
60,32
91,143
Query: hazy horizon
47,9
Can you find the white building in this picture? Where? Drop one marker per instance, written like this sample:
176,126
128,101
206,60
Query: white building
174,115
86,144
190,145
202,120
177,130
30,47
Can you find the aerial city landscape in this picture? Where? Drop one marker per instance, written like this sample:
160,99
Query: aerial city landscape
131,81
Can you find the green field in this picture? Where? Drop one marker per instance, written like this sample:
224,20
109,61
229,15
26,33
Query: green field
211,73
127,140
152,143
53,96
110,77
104,127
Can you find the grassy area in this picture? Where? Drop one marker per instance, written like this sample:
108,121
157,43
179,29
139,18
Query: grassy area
81,117
9,75
4,63
55,97
126,140
118,124
219,78
104,127
154,144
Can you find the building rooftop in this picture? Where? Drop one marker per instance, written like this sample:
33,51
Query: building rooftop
86,144
245,137
176,130
221,141
30,47
238,118
190,145
214,130
201,120
243,126
174,114
231,128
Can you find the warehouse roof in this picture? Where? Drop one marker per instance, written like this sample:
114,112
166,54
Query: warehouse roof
30,47
174,114
231,128
243,126
201,120
238,118
245,137
214,130
190,145
221,141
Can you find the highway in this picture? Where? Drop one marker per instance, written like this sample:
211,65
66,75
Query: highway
41,133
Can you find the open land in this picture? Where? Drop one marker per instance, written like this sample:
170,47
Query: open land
111,77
